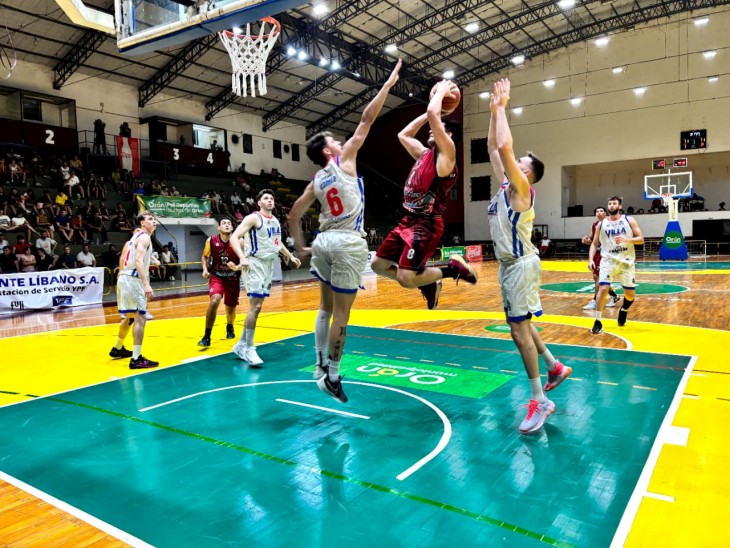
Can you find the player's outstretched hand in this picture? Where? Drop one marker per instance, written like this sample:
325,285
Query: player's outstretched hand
393,78
296,262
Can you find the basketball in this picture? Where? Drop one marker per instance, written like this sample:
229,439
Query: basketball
449,104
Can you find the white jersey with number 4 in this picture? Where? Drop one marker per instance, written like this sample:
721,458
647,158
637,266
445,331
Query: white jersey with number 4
342,197
129,264
623,252
265,241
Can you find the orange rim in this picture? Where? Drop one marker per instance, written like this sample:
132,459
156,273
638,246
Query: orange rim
269,20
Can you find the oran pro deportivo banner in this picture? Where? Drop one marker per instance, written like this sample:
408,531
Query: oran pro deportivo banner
128,151
46,290
169,206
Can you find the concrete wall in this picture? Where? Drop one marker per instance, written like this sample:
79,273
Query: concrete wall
603,145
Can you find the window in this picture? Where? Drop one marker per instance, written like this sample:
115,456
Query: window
277,148
295,152
32,109
481,188
247,143
479,151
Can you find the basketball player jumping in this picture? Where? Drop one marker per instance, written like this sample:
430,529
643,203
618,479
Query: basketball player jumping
264,232
616,236
600,213
224,279
511,216
339,252
403,254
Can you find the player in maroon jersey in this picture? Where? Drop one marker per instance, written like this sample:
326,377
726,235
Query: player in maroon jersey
224,279
403,254
600,213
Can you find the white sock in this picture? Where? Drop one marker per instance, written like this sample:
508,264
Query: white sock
598,315
321,334
549,359
536,389
334,370
136,351
249,336
120,344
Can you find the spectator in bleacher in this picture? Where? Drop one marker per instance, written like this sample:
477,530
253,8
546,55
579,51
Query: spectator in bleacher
17,173
545,245
79,226
238,214
76,164
3,241
139,188
4,173
167,258
96,186
157,271
46,199
66,260
26,261
43,218
110,258
20,245
73,185
85,257
60,201
45,262
116,179
8,261
174,191
120,223
4,221
235,199
46,243
36,168
19,222
65,171
12,200
96,227
87,211
104,212
63,224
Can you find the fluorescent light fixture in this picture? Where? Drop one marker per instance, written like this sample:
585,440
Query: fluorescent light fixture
320,9
617,70
291,51
484,95
391,48
517,110
237,30
472,27
566,4
335,64
518,59
323,62
549,83
712,79
575,101
356,74
701,21
639,91
302,55
709,54
602,41
448,74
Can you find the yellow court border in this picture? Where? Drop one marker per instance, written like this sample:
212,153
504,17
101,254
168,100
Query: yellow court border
691,479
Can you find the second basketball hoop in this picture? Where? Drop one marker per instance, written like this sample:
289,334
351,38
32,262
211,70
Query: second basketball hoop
249,53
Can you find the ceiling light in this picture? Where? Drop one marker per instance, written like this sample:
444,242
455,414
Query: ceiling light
712,79
701,21
302,55
549,83
639,91
290,51
448,74
566,4
323,62
576,101
710,54
602,41
391,48
335,64
320,9
517,110
617,70
472,27
237,30
356,74
518,59
484,95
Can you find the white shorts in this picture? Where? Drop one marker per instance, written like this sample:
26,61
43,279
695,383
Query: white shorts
339,258
520,285
130,295
258,277
611,270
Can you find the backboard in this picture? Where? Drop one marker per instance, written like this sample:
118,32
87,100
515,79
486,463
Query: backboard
678,185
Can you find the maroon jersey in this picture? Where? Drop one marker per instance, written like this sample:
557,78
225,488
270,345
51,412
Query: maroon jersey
425,192
220,254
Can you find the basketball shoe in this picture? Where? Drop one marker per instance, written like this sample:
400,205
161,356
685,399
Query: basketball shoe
597,327
120,353
205,341
333,388
319,371
431,293
622,315
465,271
559,374
612,300
230,334
537,414
252,357
590,306
239,349
142,363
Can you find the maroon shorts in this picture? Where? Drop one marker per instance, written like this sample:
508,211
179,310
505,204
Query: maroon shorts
596,262
229,287
413,242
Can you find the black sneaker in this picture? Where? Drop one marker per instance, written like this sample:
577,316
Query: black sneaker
333,388
230,334
122,352
205,341
622,315
142,363
597,328
431,293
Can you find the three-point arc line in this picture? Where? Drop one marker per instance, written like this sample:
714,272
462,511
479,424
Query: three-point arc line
443,442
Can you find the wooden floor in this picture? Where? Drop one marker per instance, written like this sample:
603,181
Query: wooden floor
28,521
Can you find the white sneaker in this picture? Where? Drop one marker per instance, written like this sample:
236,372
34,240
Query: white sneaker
149,316
172,278
252,357
239,349
537,414
612,301
590,306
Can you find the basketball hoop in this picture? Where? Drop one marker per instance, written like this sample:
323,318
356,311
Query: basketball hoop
671,203
248,56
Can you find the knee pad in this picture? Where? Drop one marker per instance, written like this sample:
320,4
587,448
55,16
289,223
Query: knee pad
626,304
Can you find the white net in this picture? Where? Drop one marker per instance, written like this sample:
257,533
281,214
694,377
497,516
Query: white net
248,56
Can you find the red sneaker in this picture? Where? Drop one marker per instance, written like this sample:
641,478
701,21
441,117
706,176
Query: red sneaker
431,293
466,272
562,372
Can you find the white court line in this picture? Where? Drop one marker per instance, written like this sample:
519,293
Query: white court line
76,512
443,442
328,409
642,485
678,435
657,496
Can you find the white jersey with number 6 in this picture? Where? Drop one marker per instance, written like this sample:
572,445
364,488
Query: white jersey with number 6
342,197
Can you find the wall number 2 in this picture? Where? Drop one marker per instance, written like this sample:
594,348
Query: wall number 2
50,137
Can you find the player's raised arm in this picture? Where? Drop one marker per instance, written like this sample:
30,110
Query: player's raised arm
407,137
494,157
446,159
